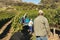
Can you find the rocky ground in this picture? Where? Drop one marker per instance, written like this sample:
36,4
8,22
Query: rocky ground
54,37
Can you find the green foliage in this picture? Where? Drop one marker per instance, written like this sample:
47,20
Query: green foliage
50,14
32,13
53,4
57,17
15,24
6,14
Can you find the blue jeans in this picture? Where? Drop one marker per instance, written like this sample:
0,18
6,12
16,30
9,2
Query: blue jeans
30,28
42,38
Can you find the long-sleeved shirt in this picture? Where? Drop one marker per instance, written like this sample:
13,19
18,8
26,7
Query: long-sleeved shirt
41,26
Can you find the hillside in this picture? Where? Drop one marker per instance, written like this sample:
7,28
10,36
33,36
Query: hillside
8,2
51,3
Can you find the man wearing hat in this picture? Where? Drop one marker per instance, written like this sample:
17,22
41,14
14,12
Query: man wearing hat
41,27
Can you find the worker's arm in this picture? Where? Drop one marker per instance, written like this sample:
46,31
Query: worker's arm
47,26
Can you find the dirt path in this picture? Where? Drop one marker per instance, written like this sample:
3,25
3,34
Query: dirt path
4,27
8,34
54,37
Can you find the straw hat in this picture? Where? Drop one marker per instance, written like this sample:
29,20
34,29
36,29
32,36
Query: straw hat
41,12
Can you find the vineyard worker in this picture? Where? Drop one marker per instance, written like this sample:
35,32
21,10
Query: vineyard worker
41,27
23,18
26,21
30,24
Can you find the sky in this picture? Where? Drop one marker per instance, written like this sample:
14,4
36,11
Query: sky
33,1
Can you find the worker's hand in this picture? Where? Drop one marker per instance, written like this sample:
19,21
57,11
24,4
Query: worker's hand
33,34
49,35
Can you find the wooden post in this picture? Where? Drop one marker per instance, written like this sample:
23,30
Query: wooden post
54,31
